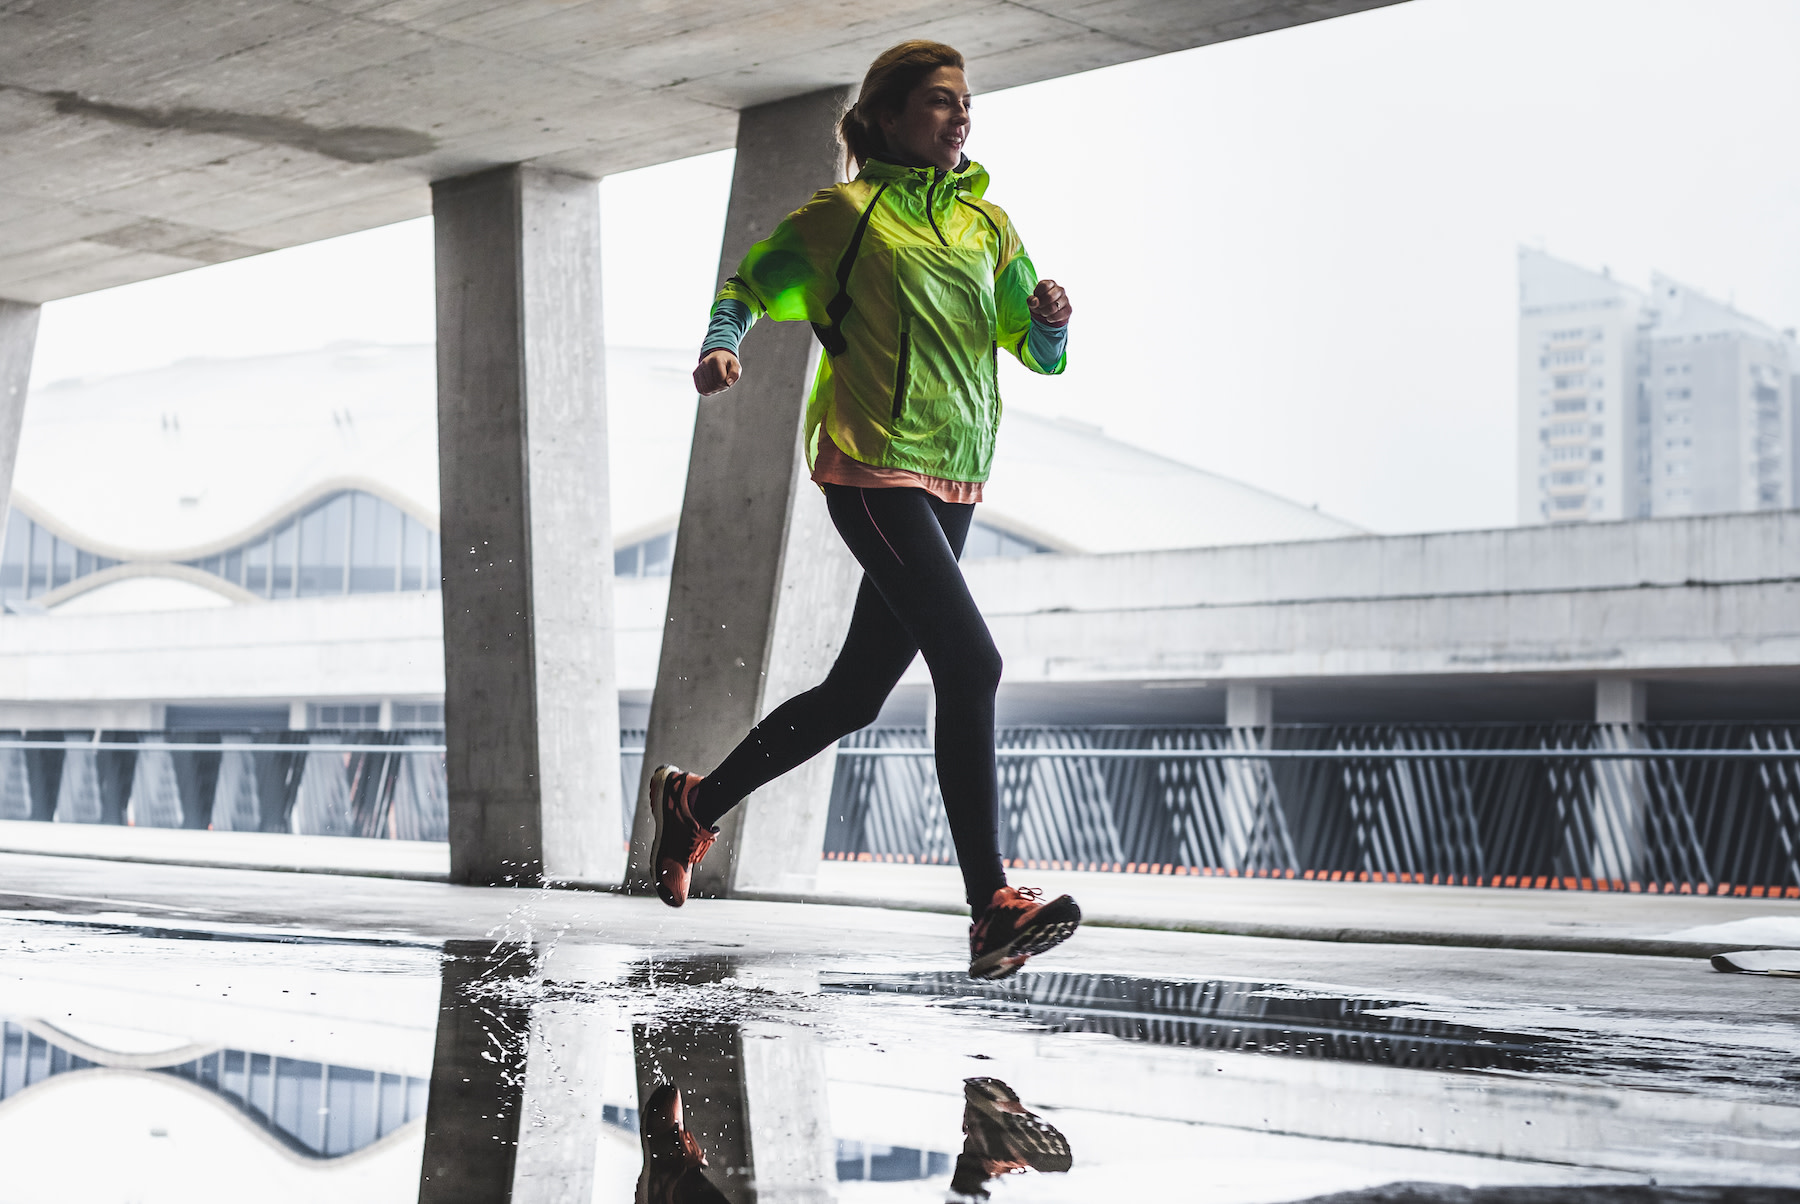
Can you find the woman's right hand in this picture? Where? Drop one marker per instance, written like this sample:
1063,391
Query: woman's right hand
716,372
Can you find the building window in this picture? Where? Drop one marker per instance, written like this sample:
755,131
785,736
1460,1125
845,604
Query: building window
349,543
34,562
418,714
654,557
351,714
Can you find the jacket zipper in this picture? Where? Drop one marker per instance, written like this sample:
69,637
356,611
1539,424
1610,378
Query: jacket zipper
900,368
930,216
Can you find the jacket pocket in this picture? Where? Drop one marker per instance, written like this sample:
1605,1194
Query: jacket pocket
902,362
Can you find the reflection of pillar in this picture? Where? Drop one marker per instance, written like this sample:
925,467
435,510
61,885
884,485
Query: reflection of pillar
754,1098
18,338
531,704
115,772
561,1108
477,1079
1621,794
514,1113
788,1115
43,776
761,588
196,779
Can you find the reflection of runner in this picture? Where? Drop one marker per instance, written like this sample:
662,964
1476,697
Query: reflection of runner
1001,1137
914,283
673,1160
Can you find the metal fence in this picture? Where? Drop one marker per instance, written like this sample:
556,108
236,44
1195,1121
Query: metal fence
328,783
1686,807
380,784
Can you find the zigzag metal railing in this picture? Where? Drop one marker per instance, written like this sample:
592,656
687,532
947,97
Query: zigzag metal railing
380,784
1499,806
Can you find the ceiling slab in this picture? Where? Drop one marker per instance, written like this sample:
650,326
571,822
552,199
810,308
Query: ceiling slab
147,138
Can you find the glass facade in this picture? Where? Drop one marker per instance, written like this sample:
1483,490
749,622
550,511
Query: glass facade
33,562
653,557
349,543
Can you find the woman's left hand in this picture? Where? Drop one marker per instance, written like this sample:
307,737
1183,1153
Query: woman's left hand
1049,304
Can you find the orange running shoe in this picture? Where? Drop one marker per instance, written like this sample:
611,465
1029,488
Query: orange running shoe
681,840
1001,1136
673,1160
1015,928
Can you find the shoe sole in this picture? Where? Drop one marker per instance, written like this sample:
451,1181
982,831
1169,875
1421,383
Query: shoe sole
659,803
1055,923
1029,1137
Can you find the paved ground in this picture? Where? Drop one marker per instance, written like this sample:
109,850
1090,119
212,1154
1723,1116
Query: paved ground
1660,1070
1361,913
1663,988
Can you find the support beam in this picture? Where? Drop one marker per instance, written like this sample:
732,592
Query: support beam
1621,700
762,587
18,340
1620,798
531,701
1249,705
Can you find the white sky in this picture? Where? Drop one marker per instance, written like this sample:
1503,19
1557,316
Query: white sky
1292,257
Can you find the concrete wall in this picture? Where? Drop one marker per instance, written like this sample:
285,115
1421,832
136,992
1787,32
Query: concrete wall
1717,597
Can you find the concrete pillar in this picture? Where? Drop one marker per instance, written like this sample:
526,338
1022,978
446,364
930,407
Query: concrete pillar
1621,700
1249,705
1621,790
1248,804
531,705
761,588
18,339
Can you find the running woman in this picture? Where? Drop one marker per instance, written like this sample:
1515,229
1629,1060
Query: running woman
914,283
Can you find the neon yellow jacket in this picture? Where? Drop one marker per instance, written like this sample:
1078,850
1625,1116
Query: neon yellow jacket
913,283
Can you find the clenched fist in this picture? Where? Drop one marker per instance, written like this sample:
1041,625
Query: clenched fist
1049,304
716,372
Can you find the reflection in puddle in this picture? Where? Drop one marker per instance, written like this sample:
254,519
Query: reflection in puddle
314,1108
503,1072
1244,1016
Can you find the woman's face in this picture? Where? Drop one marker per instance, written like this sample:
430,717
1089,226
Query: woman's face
931,129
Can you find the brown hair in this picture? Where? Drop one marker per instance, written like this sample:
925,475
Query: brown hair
890,80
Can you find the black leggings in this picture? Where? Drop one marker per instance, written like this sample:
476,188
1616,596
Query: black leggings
913,599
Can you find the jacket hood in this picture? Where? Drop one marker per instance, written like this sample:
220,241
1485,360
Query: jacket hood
967,176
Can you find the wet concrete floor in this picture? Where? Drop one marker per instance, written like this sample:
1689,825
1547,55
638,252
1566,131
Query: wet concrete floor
179,1034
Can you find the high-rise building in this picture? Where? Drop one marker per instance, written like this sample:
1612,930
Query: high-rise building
1637,404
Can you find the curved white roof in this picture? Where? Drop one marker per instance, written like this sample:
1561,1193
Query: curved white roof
175,458
162,462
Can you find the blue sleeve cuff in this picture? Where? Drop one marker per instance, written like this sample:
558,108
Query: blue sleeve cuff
730,320
1047,343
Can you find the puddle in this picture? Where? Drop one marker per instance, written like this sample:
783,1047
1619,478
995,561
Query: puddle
1248,1017
591,1072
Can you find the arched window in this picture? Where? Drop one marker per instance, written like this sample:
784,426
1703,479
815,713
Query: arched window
34,562
349,543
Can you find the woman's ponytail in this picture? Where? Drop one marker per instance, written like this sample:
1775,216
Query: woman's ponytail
890,80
